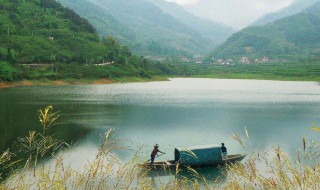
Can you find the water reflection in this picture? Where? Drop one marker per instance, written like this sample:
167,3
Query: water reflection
217,175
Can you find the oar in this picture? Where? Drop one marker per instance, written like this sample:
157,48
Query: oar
157,156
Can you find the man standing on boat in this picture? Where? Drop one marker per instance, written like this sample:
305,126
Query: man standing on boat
224,152
155,152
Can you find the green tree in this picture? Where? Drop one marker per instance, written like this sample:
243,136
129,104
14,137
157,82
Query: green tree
126,51
109,41
3,54
11,56
7,72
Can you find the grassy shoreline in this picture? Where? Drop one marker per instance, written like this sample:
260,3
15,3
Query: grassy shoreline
70,81
259,77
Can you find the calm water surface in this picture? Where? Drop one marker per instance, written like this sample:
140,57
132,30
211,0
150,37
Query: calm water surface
176,113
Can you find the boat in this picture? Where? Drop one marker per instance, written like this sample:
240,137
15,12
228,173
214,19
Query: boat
194,157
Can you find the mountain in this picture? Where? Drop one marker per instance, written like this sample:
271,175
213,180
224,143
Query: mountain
296,7
217,32
235,13
290,38
104,23
146,28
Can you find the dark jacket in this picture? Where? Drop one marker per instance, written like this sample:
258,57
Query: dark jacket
223,149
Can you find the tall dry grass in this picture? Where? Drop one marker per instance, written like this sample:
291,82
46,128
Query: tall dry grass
279,171
106,172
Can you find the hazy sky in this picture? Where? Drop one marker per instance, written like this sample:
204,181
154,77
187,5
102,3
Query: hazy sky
183,2
236,13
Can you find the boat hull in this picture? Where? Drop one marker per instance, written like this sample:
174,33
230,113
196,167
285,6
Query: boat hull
172,165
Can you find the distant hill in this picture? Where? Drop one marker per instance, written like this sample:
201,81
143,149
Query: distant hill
217,32
235,13
104,23
290,38
296,7
147,28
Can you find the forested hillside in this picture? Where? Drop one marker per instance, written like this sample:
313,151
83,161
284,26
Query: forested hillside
216,32
44,32
105,23
296,7
292,38
147,29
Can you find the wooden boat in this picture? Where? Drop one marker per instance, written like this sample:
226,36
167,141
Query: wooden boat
194,157
172,164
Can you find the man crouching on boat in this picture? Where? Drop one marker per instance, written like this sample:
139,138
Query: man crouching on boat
155,152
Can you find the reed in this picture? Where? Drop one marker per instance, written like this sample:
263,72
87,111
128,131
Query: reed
107,172
281,171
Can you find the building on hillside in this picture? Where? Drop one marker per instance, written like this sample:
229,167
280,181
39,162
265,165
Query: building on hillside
262,60
104,63
185,59
155,58
245,60
224,62
198,59
265,59
219,61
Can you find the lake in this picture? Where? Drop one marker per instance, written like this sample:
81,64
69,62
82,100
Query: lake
177,113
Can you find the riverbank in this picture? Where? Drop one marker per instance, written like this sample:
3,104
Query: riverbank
47,82
245,76
75,74
270,71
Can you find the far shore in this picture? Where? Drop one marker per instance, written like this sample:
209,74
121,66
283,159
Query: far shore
47,82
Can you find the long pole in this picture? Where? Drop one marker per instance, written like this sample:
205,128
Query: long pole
157,156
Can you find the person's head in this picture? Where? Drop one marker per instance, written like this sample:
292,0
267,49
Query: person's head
222,144
156,146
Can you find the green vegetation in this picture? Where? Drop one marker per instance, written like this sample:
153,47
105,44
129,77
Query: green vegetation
294,8
41,40
149,28
309,71
104,22
41,31
77,74
215,32
105,171
65,45
8,72
278,71
292,38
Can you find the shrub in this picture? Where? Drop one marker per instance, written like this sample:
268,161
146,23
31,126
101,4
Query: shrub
8,72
